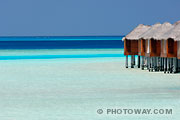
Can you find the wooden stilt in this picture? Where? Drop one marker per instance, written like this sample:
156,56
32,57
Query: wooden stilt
151,64
132,62
156,64
139,61
148,60
178,65
145,62
174,65
142,63
165,65
168,65
126,61
159,63
171,65
162,64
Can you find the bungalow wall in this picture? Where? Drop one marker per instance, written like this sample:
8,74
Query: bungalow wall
141,47
163,48
147,48
152,48
178,49
130,47
155,48
171,48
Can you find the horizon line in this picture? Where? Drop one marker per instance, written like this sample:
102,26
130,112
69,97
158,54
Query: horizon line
69,36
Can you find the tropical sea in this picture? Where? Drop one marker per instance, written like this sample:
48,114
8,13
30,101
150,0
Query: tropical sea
71,78
59,47
66,42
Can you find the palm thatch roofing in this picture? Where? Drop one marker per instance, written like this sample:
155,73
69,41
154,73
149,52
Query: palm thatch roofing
162,30
151,32
134,34
173,33
177,38
157,31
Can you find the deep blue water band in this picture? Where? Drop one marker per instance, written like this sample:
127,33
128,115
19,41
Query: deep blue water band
61,44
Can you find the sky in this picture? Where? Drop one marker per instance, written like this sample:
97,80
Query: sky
82,17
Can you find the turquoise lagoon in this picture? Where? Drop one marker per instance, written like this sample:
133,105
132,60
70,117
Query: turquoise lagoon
72,84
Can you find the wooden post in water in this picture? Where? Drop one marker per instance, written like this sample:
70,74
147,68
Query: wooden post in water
145,61
148,63
139,61
168,61
174,65
171,65
159,63
132,62
178,65
142,63
155,63
165,65
162,64
126,61
151,62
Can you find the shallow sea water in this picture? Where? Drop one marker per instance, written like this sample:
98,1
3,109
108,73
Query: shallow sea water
39,88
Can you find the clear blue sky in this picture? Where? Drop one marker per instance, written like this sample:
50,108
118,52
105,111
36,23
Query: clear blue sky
82,17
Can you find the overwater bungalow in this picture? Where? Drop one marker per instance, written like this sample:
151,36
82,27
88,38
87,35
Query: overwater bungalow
159,46
152,46
169,44
132,45
170,47
158,36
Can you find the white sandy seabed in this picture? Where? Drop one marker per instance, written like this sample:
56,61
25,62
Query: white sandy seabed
74,89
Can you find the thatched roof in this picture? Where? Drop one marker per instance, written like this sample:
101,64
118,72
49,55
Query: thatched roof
140,29
177,38
150,33
160,31
176,23
173,33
